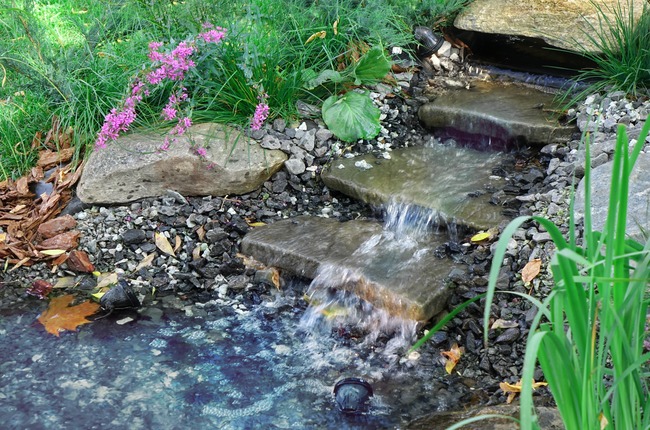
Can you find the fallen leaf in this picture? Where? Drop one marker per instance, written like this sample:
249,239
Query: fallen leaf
452,356
480,237
275,278
3,237
52,252
163,244
106,279
513,389
318,34
60,317
530,270
65,282
250,262
196,253
39,288
78,261
178,243
146,261
255,224
200,232
603,421
504,324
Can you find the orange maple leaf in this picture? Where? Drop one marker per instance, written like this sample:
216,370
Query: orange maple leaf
513,389
60,317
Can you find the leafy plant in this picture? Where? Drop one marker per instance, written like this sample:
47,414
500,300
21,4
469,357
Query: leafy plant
351,116
589,332
623,39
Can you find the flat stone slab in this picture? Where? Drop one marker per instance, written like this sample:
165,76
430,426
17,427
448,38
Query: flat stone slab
406,279
513,115
133,167
446,179
565,24
638,211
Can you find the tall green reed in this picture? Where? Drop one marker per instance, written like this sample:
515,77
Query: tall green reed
588,334
622,50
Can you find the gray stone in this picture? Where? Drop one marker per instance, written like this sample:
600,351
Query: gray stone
391,276
423,176
560,23
134,167
504,113
295,166
638,212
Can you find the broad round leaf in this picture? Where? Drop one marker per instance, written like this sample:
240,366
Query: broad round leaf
351,117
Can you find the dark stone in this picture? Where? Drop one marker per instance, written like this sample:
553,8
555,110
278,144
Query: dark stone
133,236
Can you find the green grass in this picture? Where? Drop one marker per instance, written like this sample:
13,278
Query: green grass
77,58
623,63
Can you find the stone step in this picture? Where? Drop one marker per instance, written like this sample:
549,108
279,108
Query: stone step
401,276
446,179
497,115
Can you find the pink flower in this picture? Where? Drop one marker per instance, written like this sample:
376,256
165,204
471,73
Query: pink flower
261,113
168,113
201,152
212,36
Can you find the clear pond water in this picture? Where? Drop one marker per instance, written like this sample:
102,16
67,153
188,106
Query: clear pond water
258,368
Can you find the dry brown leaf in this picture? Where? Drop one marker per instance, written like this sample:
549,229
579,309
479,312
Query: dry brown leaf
452,356
196,253
504,324
163,244
107,279
65,282
250,262
200,232
178,243
60,317
531,270
146,261
78,261
513,389
49,158
40,288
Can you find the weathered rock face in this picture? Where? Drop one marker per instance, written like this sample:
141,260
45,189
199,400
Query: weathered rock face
448,180
564,24
406,281
498,115
134,167
638,211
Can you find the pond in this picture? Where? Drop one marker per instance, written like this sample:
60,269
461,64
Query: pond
231,368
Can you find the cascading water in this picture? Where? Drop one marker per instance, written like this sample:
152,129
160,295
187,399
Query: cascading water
404,241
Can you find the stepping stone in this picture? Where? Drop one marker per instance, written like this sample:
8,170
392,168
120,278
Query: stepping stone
402,276
134,167
451,181
497,115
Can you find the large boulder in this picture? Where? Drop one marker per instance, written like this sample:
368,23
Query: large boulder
134,167
566,24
